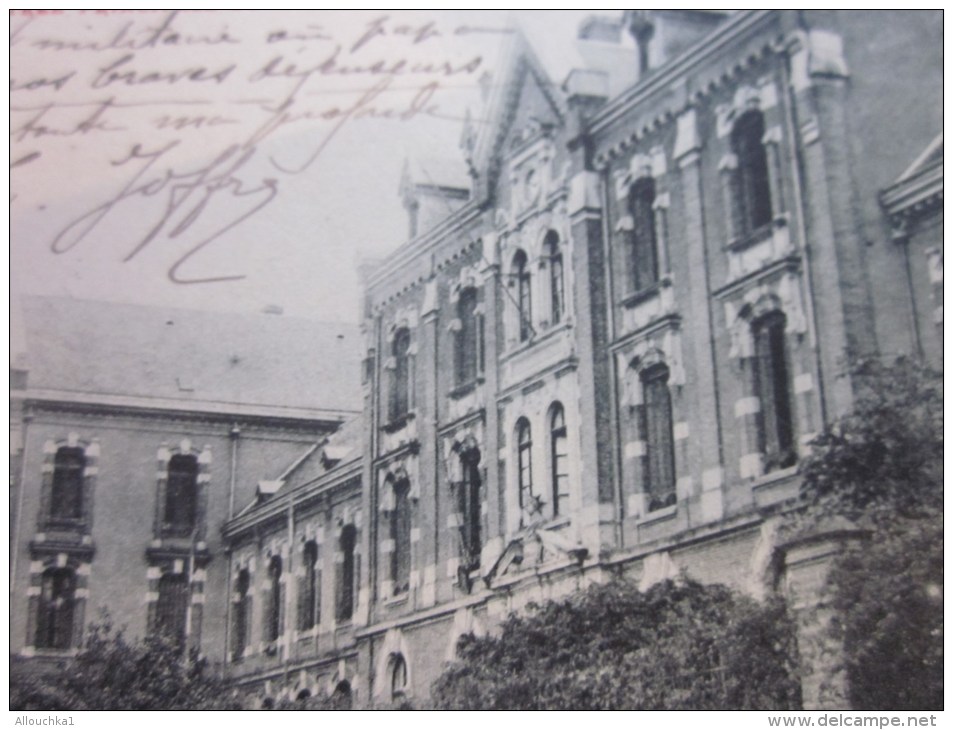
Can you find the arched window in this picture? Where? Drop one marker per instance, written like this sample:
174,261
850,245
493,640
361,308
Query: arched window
309,590
467,346
643,256
54,627
556,277
273,613
242,615
468,505
775,425
341,697
752,185
398,678
180,495
66,502
172,607
400,535
523,295
347,544
524,463
659,445
400,386
559,446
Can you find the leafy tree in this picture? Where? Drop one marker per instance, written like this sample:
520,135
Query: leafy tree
678,645
110,673
881,467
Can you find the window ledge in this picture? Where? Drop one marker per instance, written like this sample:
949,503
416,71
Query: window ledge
650,292
398,600
758,235
395,424
465,389
778,475
658,515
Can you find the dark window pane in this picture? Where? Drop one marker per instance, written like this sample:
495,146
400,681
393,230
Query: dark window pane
468,505
556,285
644,257
560,466
172,607
400,534
400,386
273,616
775,426
346,582
57,601
66,499
525,464
467,344
753,185
180,496
521,267
657,427
242,614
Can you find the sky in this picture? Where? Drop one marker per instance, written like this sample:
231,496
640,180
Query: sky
235,160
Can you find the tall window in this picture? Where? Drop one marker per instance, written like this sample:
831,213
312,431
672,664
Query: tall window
242,615
273,614
467,347
54,628
400,535
657,427
341,698
524,463
556,278
172,607
559,446
775,427
643,256
347,544
66,501
400,390
753,192
180,495
309,590
398,678
523,296
468,505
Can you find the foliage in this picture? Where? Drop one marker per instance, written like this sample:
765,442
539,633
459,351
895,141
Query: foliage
110,673
885,458
882,468
677,646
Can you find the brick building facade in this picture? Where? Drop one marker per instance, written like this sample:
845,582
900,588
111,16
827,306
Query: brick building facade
623,311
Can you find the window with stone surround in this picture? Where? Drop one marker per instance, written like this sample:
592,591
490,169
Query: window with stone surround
274,600
347,572
523,295
242,614
524,465
659,443
467,346
181,495
643,245
557,287
399,402
309,589
771,384
400,526
172,605
54,621
752,185
468,505
559,449
66,497
398,678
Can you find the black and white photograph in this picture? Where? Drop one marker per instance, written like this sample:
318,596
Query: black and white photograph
476,360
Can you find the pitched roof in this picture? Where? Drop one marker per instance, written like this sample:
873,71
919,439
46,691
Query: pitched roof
195,359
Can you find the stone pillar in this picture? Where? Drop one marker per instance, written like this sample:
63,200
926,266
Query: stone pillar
807,563
705,421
